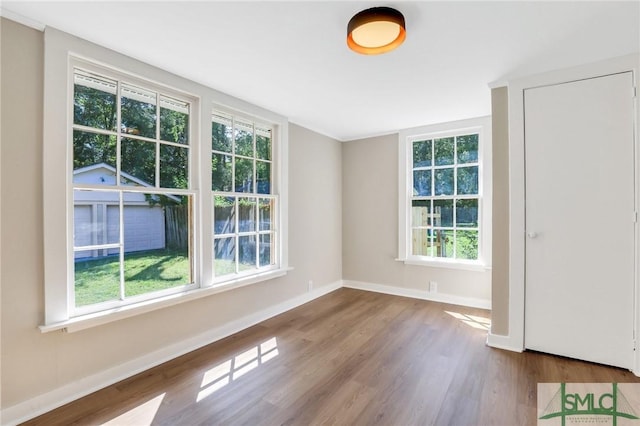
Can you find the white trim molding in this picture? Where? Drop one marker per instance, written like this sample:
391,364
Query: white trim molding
516,338
56,398
406,137
502,342
419,294
63,395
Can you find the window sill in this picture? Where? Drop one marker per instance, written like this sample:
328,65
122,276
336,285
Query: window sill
448,264
103,317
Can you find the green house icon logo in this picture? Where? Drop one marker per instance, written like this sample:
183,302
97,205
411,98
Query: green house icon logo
612,404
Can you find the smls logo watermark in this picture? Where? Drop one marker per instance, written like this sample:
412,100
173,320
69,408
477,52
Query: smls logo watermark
614,404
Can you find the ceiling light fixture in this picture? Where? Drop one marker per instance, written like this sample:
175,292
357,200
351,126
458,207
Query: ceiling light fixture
376,30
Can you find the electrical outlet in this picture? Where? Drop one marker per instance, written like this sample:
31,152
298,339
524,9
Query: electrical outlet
433,287
310,285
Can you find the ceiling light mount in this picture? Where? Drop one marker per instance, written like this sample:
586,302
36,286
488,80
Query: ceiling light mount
376,30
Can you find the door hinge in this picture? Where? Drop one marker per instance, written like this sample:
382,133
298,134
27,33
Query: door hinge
635,217
634,92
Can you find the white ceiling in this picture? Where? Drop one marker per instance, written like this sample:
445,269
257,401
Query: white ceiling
292,58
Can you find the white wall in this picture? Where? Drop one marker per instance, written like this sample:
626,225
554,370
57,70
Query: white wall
370,231
34,363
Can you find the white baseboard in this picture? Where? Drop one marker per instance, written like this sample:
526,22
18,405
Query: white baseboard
420,294
53,399
503,342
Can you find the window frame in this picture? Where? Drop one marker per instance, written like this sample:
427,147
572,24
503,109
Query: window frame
61,50
481,126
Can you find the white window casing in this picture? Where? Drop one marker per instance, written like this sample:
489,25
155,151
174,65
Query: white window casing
481,126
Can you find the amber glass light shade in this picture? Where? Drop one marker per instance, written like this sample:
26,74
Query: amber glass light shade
376,30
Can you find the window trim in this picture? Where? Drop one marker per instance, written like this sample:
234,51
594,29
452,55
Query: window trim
481,125
60,49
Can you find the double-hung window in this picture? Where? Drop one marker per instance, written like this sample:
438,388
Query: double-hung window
132,197
444,194
244,204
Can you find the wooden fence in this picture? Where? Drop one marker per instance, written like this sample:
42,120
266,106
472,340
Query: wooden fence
177,226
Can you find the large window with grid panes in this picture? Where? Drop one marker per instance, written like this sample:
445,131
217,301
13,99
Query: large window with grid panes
443,206
244,203
156,189
132,193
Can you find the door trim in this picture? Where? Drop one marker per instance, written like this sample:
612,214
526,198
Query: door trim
517,184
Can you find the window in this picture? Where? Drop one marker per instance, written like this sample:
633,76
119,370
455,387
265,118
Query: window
148,200
132,198
443,181
244,206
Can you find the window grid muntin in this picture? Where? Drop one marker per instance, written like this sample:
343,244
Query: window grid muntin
454,197
120,81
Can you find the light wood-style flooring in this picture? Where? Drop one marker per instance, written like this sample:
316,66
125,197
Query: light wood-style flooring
348,358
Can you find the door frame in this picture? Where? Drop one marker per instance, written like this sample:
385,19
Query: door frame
515,339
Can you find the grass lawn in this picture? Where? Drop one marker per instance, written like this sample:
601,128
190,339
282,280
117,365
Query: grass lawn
99,280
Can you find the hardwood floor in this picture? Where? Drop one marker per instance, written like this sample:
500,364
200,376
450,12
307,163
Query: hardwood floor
348,358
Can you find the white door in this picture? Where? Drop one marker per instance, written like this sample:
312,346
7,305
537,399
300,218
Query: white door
579,272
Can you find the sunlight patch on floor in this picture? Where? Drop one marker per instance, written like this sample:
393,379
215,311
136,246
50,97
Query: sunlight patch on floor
472,320
141,415
224,373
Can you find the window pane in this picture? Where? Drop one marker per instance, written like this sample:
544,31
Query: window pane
86,230
221,133
266,248
97,279
91,149
467,245
266,211
247,218
247,252
443,240
138,112
443,213
468,180
422,242
174,120
224,211
139,160
221,172
156,242
174,167
422,153
244,138
224,255
263,178
443,181
155,270
467,148
420,213
177,211
263,143
422,182
94,101
96,220
467,213
443,149
244,175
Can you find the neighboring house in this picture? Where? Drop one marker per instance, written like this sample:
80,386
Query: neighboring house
96,218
